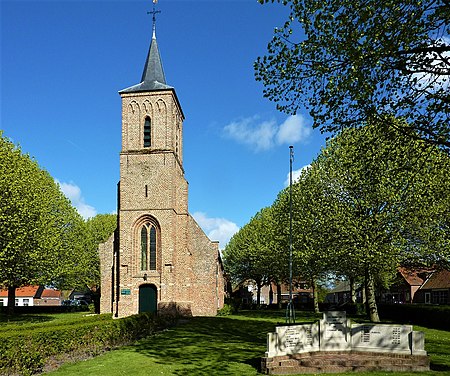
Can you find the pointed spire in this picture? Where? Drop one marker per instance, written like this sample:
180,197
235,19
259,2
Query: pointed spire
153,77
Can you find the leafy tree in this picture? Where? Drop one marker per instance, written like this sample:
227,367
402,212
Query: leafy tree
379,182
37,223
248,255
311,224
84,270
98,230
352,62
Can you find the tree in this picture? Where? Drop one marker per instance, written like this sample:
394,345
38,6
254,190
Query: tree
37,223
310,229
382,186
84,270
352,62
248,255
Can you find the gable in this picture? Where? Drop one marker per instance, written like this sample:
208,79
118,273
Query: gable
440,279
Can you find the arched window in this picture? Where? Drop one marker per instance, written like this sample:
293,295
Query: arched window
147,133
148,246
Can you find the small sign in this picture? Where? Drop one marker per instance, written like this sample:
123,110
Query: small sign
125,292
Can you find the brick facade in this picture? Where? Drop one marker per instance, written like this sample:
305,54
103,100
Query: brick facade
188,275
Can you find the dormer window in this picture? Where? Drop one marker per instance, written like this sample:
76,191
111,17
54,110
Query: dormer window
147,133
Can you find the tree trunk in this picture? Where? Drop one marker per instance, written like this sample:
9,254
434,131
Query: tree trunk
258,291
315,296
352,290
371,304
280,305
11,300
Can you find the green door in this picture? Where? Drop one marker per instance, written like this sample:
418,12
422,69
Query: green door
147,298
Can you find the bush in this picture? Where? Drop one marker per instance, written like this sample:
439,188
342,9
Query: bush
226,310
431,316
26,351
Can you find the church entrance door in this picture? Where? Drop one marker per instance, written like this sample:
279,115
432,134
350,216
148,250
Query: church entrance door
147,298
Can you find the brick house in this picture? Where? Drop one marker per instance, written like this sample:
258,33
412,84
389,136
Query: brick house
302,293
158,258
49,297
406,284
436,289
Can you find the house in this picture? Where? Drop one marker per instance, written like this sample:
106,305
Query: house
341,294
436,288
406,284
302,293
49,297
81,295
247,291
33,296
411,285
25,296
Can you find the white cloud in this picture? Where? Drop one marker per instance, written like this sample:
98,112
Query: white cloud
73,193
266,134
295,174
294,129
251,131
217,229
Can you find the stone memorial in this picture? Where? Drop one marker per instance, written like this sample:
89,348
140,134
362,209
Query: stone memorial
293,339
335,331
333,344
382,338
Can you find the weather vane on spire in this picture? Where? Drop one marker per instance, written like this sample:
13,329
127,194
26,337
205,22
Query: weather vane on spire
154,12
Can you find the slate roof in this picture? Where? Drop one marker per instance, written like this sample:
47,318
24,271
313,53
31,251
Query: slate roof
343,286
153,77
440,279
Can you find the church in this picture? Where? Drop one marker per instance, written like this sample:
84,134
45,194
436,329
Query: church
158,259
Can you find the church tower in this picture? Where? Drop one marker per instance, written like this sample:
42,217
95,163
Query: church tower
159,259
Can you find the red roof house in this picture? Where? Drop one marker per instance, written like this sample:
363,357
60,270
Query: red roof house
25,296
436,289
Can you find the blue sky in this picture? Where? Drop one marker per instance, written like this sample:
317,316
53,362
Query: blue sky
63,63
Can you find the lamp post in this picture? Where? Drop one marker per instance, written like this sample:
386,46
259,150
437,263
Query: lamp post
290,312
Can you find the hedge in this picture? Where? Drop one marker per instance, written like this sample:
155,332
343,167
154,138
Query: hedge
19,310
431,316
26,352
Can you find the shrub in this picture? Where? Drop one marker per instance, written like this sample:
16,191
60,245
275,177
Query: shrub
431,316
26,351
226,310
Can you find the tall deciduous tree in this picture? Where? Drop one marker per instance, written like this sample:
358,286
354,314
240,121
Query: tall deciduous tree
350,62
37,223
249,253
382,185
314,228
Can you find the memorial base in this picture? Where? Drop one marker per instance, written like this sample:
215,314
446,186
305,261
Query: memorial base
343,361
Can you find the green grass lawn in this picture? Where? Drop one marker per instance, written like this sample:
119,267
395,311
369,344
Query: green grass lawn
230,345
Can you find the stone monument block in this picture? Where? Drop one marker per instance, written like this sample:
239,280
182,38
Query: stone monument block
418,343
381,338
293,339
335,331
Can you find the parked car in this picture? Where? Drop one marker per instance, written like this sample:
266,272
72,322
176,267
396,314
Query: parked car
74,302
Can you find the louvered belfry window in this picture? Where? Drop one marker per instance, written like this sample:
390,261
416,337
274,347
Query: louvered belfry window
147,133
148,247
